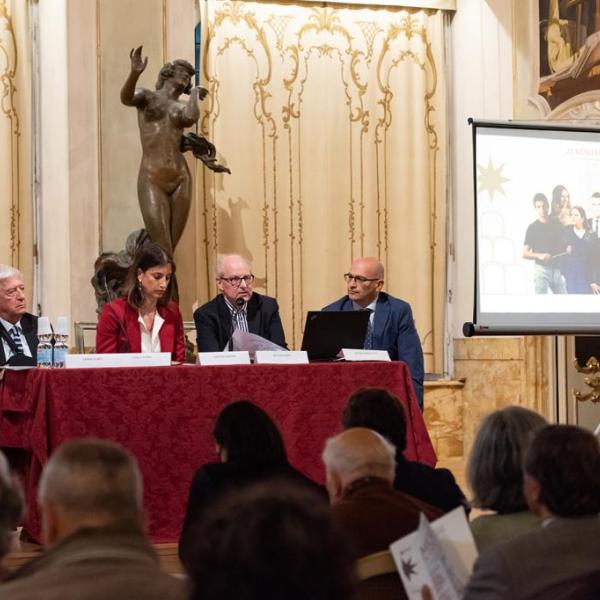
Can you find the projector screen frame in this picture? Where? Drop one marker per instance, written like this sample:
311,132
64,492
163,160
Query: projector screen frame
479,327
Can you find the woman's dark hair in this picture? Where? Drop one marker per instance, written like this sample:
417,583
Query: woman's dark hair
495,465
565,461
272,540
379,410
246,432
168,70
556,205
148,256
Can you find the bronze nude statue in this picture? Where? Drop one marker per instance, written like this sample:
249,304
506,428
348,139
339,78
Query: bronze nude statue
164,180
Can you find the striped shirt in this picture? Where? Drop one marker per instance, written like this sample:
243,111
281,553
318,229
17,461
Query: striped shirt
239,316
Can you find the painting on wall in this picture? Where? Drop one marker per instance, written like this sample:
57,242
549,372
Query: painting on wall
569,49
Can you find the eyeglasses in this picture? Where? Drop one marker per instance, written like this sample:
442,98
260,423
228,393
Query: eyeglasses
358,278
237,281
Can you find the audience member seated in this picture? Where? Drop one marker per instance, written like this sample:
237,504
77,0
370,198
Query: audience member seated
251,449
273,540
559,559
11,509
359,464
90,498
145,319
381,411
495,475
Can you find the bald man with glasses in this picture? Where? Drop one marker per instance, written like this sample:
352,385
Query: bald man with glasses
236,307
391,324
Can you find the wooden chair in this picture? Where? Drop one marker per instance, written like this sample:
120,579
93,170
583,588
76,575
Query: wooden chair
378,578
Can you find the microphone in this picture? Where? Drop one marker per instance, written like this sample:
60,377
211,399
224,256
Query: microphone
114,312
239,302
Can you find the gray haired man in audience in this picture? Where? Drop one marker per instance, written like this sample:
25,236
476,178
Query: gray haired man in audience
90,498
360,472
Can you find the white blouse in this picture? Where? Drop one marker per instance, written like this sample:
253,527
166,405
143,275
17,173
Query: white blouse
150,339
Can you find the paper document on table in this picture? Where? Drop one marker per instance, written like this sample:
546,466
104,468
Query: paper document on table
439,554
244,340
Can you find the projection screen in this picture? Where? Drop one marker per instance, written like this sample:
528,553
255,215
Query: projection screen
537,229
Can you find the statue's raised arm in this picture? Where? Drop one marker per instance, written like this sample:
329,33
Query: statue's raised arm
128,91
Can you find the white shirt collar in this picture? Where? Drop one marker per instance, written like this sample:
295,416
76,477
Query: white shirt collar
371,306
235,309
8,326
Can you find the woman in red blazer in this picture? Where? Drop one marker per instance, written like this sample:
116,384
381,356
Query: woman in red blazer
145,319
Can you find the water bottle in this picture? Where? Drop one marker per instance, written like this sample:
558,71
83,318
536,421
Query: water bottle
44,347
61,342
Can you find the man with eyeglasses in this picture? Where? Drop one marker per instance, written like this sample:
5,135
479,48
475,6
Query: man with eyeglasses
18,329
391,324
236,307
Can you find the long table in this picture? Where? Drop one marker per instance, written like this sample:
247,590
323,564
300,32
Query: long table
165,416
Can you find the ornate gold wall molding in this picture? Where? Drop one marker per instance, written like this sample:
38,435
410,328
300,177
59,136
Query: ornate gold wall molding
325,94
11,146
16,207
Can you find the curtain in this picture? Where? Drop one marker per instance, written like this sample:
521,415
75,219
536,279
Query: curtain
333,123
16,230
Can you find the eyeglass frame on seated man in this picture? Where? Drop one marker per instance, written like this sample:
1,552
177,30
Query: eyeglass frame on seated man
247,279
359,278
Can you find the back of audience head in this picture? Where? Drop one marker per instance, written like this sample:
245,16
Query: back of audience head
354,454
11,505
243,431
379,410
89,483
272,540
495,465
562,472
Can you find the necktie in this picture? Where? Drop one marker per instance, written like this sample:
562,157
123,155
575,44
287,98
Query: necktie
16,336
596,226
368,343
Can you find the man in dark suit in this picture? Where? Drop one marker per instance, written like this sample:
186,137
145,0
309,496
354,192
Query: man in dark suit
391,325
236,307
382,412
18,328
359,465
561,558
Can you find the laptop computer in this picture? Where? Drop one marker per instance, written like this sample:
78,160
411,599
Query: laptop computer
327,332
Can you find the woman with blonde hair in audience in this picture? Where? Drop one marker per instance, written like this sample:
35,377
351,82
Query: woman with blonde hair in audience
495,475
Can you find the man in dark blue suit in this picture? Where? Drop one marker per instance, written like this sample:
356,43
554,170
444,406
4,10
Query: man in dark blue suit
391,324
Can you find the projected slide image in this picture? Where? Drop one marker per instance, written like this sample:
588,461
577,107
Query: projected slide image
538,220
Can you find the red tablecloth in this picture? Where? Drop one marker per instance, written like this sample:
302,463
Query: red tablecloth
165,416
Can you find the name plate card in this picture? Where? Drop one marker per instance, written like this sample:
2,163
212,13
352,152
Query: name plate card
224,358
107,361
355,354
281,357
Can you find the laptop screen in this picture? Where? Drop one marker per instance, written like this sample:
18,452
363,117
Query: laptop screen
327,332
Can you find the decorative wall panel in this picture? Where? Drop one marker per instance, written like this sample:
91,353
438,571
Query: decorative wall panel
333,123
